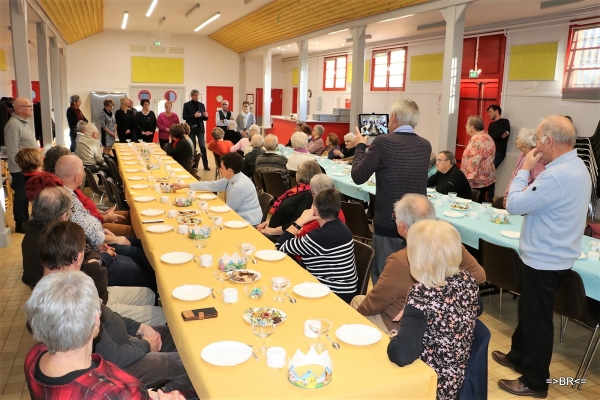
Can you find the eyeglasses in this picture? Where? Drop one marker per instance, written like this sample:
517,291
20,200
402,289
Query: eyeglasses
440,160
394,216
86,248
538,139
30,106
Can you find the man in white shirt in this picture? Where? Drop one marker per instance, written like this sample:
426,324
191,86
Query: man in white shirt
223,115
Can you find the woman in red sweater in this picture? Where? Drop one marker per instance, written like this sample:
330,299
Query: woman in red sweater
164,122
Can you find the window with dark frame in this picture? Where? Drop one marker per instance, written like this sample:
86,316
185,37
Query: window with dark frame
582,68
389,69
334,74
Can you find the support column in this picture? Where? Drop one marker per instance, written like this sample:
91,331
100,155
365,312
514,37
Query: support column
20,45
242,94
56,92
266,118
44,78
358,72
303,81
62,59
453,49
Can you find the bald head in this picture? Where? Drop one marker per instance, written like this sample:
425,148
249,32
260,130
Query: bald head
412,208
69,169
257,141
559,128
271,142
22,107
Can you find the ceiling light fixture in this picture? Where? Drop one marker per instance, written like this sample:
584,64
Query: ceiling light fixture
556,3
161,21
431,26
154,2
316,42
125,18
332,33
367,37
208,21
187,14
393,19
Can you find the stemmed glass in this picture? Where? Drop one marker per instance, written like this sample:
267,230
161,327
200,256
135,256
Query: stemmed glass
279,284
221,276
128,140
319,326
201,243
262,331
451,197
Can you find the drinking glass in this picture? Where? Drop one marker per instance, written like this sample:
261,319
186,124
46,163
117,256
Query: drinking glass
279,284
262,331
451,196
201,243
319,326
487,207
221,276
128,140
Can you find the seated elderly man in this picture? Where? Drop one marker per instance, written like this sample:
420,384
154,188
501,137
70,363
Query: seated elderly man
257,143
89,150
81,125
384,304
449,178
270,161
300,154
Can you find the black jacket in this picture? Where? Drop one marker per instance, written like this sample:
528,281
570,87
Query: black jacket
182,153
189,109
452,181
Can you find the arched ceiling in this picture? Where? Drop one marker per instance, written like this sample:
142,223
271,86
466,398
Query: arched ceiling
75,19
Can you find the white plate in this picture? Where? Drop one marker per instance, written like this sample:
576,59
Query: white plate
132,170
161,228
207,196
140,186
283,315
236,224
152,212
135,178
220,209
270,255
130,163
191,292
177,169
258,275
144,199
176,257
430,190
311,290
226,354
358,335
582,256
183,176
511,234
339,174
463,201
170,162
188,213
127,158
453,214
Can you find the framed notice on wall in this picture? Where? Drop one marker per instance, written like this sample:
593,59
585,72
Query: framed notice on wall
250,98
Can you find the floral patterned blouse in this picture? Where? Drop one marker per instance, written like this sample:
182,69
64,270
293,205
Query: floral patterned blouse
478,161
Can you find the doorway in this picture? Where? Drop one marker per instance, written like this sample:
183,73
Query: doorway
276,104
214,96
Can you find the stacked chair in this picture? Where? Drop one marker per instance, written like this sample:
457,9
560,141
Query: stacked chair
588,149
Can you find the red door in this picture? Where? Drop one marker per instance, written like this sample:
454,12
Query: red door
294,99
214,96
259,101
276,101
35,91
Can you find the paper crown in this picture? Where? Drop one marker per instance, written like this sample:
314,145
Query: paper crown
166,188
199,232
183,201
230,263
310,370
152,166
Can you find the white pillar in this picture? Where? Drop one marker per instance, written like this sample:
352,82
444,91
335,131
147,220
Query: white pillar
62,58
44,78
266,118
303,81
358,72
57,104
453,49
242,93
20,45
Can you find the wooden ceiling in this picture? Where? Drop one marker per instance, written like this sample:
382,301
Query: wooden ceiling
75,19
286,19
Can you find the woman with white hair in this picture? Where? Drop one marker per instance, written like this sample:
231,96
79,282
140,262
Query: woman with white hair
231,133
441,308
74,115
316,145
300,154
244,145
525,143
347,148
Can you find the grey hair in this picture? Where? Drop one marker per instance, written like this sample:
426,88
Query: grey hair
62,310
90,129
231,125
449,156
432,158
413,207
476,122
194,91
350,137
406,112
50,204
527,136
321,182
299,140
73,99
320,130
307,170
257,141
271,142
559,128
81,125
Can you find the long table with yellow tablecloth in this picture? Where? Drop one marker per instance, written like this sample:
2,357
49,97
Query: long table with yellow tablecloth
359,372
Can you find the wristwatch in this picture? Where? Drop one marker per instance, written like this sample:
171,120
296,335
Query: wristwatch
295,225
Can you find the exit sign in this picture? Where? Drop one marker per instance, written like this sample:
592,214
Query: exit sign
157,43
474,73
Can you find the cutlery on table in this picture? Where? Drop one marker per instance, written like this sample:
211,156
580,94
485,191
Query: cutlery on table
335,345
251,258
253,353
292,300
212,293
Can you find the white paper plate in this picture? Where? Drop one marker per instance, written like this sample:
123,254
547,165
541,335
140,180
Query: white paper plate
130,163
191,292
183,176
140,186
339,174
511,234
311,290
177,169
135,178
463,201
144,199
226,354
132,170
453,214
358,334
152,212
236,224
220,209
258,276
270,255
176,257
430,190
207,196
161,228
582,256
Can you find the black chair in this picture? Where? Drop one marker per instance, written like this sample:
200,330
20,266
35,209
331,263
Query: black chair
197,158
258,182
266,202
114,172
363,256
217,166
502,266
293,181
274,183
356,221
189,165
120,202
109,192
477,195
96,190
475,385
498,203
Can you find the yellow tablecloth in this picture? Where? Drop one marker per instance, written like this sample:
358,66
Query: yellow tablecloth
360,372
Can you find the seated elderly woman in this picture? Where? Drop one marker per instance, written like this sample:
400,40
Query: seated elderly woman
300,154
291,204
316,145
331,146
328,252
218,145
178,147
89,150
231,133
30,161
64,314
244,145
241,192
478,158
441,308
525,143
348,148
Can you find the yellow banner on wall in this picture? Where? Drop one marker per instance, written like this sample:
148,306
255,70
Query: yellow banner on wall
2,60
426,67
156,70
533,62
295,77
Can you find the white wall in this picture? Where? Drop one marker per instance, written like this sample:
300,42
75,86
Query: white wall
255,77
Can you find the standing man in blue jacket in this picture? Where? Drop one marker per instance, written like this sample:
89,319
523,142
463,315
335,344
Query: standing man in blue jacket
194,113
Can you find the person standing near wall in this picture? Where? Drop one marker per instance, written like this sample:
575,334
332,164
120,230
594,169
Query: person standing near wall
224,115
74,115
194,113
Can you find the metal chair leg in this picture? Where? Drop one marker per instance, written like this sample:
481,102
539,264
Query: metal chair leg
594,340
500,301
563,327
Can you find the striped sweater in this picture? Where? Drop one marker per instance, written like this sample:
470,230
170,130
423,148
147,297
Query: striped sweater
327,253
